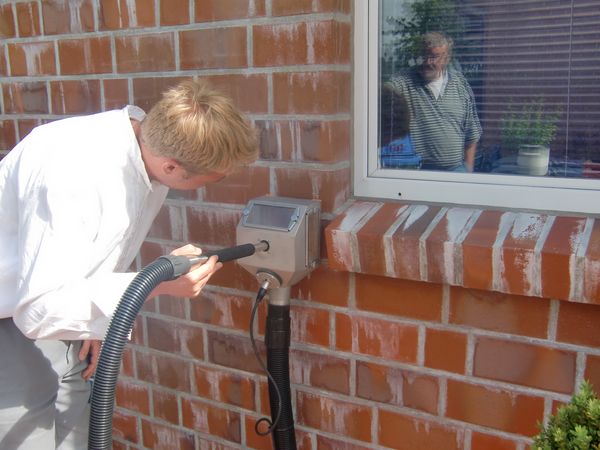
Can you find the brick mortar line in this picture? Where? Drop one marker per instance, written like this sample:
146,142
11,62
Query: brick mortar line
406,411
471,379
421,344
374,426
176,53
466,329
389,251
272,181
255,377
221,290
339,438
40,18
522,445
354,248
423,238
255,117
443,396
445,312
157,17
48,101
158,28
142,317
547,409
95,14
130,90
188,396
458,245
249,46
414,413
553,320
180,427
321,167
351,297
102,95
7,61
198,72
578,259
300,346
332,335
270,95
580,365
470,354
205,349
420,415
243,436
507,220
337,117
420,370
177,320
312,432
468,438
192,10
200,204
217,403
536,287
412,321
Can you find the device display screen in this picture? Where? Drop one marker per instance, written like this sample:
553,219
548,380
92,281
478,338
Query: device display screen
271,216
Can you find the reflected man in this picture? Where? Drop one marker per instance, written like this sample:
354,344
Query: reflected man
444,126
396,149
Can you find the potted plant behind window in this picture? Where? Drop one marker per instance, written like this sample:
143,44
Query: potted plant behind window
575,426
529,131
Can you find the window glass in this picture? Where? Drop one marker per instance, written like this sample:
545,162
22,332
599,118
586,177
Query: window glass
491,87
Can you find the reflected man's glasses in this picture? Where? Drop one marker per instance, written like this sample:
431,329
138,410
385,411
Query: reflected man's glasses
433,57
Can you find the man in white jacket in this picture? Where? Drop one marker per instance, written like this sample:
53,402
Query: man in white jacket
77,198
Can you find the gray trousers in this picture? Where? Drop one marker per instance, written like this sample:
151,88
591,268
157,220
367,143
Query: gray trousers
43,399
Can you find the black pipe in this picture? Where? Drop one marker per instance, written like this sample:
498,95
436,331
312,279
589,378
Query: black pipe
105,379
277,341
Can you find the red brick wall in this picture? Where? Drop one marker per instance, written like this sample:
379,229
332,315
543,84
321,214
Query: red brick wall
396,361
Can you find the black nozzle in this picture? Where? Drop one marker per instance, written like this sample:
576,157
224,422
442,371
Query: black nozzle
231,253
182,264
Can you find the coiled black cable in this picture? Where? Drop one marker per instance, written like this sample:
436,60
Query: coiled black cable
277,341
270,424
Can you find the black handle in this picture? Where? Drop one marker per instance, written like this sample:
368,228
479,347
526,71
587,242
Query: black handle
231,253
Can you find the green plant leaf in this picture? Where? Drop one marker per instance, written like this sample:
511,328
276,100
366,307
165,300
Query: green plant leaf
529,124
575,426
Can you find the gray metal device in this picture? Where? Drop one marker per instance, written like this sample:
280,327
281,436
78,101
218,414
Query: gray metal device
291,227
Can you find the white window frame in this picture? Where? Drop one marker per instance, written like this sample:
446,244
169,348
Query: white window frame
571,195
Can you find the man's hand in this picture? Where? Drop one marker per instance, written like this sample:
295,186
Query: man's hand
90,349
190,284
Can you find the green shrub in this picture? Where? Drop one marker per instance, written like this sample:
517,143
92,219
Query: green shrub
529,124
575,426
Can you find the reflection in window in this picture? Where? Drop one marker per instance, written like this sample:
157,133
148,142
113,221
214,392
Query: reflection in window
531,70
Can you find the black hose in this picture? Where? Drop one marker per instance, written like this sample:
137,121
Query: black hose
109,363
277,341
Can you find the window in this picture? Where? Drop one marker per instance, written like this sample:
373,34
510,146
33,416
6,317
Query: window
479,102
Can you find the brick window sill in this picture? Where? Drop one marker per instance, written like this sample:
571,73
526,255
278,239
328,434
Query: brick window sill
524,253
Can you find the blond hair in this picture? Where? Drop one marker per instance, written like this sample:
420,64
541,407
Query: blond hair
199,128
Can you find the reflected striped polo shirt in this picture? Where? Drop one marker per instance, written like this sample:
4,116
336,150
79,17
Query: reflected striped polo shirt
440,128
